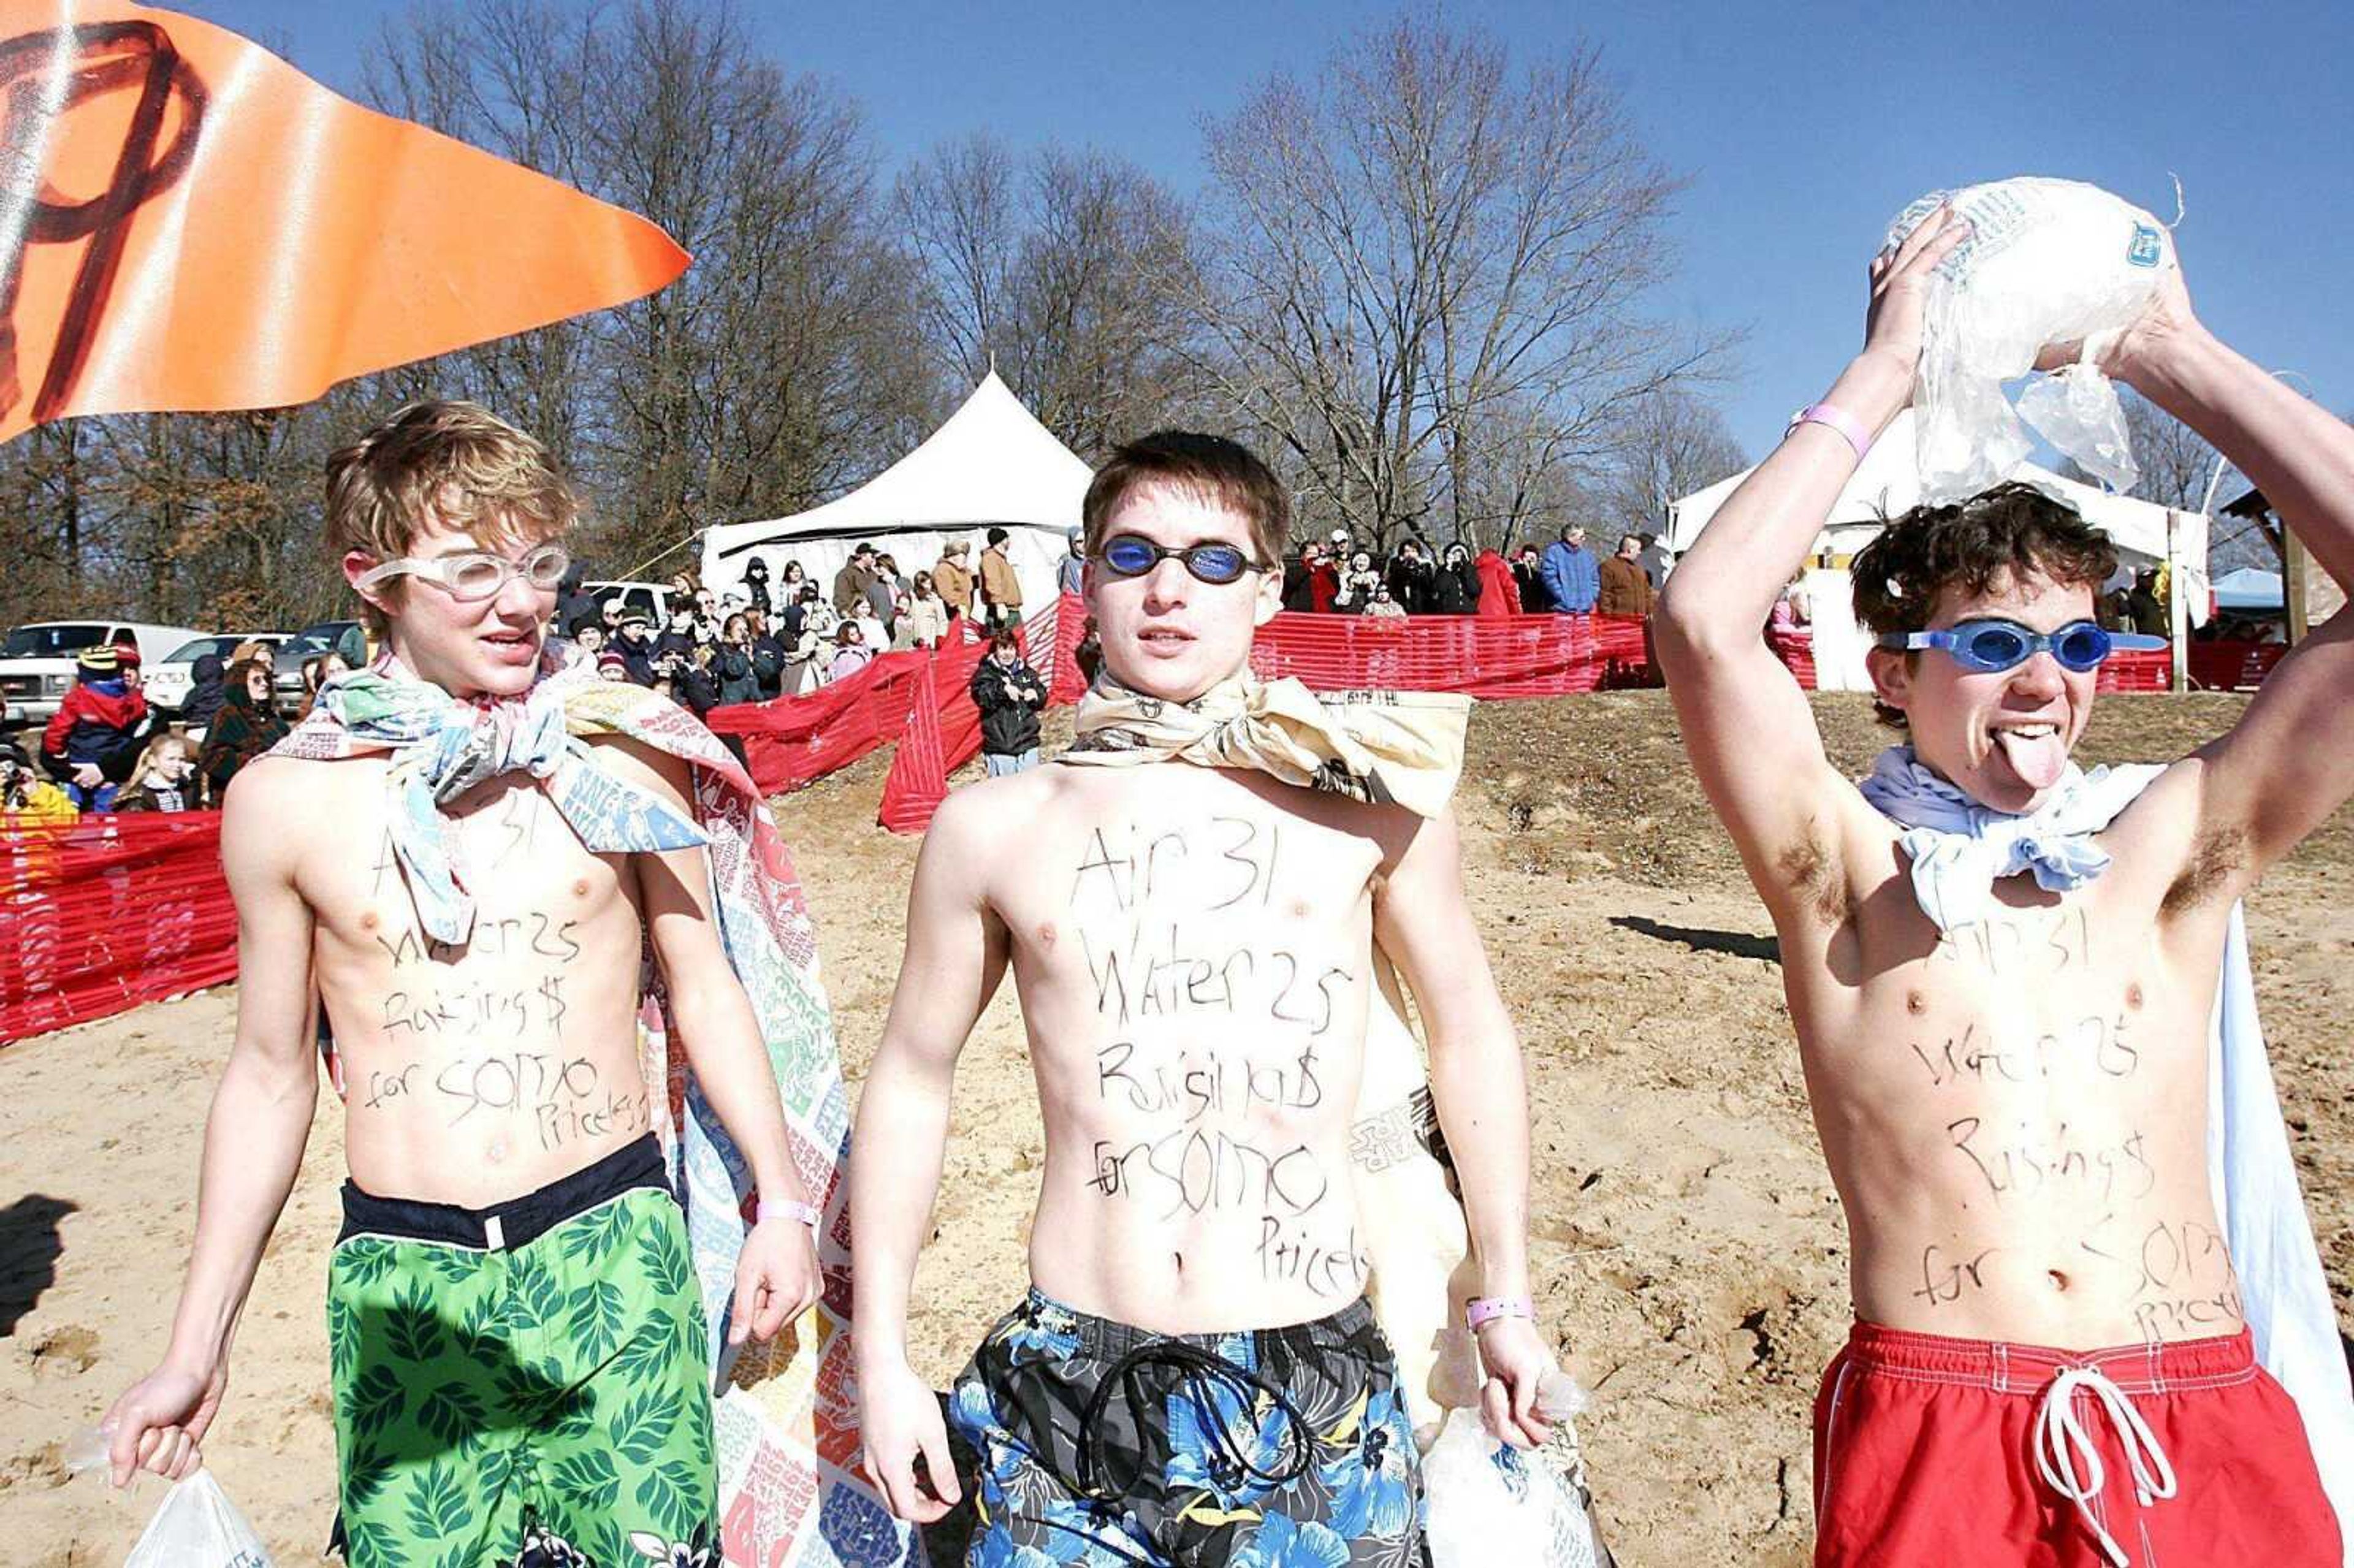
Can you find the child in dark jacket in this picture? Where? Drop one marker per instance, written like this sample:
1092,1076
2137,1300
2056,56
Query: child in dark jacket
93,739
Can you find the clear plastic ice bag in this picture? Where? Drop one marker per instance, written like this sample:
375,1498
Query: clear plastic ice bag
198,1527
1492,1503
2048,261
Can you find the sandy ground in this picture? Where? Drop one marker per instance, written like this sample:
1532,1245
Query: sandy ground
1690,1255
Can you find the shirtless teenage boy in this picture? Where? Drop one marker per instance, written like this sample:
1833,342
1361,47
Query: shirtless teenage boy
1195,1376
517,1338
2003,1012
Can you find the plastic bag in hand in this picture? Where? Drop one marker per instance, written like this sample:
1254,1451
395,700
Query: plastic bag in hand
197,1527
1491,1503
2048,261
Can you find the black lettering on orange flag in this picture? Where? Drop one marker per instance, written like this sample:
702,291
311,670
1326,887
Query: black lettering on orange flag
186,222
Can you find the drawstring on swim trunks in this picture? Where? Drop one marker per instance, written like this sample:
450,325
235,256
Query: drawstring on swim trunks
1201,1372
2061,1442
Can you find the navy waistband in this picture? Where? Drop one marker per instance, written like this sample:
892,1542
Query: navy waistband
1107,1339
513,1222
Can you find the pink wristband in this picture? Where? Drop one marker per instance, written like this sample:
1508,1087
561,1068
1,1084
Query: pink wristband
786,1209
1839,420
1478,1314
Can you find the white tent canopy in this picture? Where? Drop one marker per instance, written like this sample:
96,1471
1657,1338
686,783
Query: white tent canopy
992,464
1887,483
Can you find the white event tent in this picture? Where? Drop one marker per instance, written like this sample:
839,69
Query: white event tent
992,464
1888,483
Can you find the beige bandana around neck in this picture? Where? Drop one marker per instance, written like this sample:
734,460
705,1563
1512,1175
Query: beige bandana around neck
1405,747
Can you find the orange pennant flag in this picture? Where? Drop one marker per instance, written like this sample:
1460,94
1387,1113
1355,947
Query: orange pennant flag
187,222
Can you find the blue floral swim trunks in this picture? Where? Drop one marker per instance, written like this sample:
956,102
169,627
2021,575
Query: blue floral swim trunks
1109,1446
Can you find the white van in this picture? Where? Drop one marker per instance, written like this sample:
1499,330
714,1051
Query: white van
36,660
167,684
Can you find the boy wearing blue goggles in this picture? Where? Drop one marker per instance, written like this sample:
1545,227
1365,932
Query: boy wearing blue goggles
2001,971
1990,644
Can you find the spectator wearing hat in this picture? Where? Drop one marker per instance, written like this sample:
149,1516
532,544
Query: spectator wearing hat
635,643
1072,570
1353,594
246,725
1527,571
207,687
850,583
755,585
1001,589
93,739
1413,578
1456,588
954,578
1324,581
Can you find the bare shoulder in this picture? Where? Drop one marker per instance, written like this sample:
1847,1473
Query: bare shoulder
275,800
978,821
279,811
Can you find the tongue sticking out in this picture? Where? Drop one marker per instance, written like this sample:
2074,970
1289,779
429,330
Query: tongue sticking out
2038,761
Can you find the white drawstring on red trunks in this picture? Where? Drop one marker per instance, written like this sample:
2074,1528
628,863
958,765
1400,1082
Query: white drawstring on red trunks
2061,1442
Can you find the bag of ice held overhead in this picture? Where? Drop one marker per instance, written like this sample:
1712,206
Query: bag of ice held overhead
2048,261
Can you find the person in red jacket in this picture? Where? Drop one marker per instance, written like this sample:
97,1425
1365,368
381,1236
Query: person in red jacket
94,738
1499,591
1323,580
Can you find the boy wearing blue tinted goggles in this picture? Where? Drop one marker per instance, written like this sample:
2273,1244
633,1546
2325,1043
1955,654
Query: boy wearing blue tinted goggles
2002,969
1190,901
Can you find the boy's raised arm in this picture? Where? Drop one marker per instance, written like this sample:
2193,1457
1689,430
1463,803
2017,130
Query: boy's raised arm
2289,762
1747,724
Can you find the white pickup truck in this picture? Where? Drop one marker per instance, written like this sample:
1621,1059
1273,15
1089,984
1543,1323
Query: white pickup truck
36,660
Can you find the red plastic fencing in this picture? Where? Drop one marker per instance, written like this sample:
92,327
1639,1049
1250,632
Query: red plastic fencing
789,742
100,915
2232,664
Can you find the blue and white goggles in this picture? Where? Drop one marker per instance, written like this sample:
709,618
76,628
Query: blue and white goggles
1992,645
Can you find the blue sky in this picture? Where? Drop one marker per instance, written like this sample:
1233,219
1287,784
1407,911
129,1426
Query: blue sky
1802,128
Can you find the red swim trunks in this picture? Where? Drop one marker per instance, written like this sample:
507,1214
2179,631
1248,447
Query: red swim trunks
1976,1454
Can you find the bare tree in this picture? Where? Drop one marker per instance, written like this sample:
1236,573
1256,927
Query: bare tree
1668,445
1423,274
961,209
1062,272
785,363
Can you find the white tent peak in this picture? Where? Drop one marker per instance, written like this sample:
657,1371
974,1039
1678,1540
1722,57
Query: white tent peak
989,465
991,462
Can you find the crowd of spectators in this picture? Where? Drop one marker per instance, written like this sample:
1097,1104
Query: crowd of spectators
1336,576
107,750
784,634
